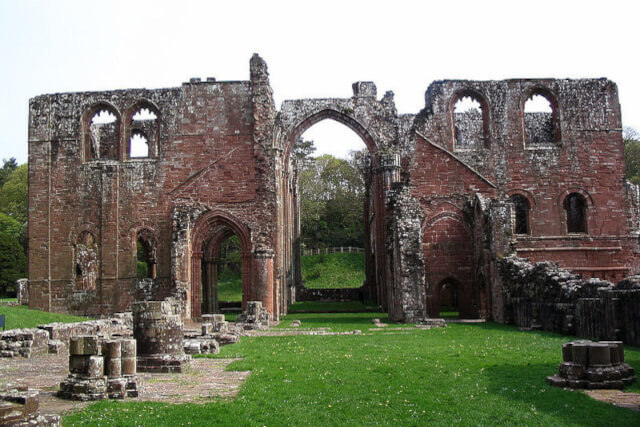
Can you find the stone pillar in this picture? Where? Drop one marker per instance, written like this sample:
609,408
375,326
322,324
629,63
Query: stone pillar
196,285
22,286
247,279
263,282
158,329
210,288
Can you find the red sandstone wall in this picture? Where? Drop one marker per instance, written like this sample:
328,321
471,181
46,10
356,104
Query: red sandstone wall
589,159
206,129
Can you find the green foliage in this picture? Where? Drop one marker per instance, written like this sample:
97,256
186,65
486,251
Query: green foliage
13,263
13,194
339,270
467,374
631,140
142,265
8,166
21,317
331,202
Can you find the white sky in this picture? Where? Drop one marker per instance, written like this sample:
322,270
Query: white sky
313,49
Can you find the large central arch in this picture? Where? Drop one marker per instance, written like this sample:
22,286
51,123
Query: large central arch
295,119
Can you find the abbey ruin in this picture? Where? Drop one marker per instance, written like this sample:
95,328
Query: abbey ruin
450,193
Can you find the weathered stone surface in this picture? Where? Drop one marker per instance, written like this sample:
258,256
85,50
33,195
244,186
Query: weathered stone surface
19,408
564,302
592,367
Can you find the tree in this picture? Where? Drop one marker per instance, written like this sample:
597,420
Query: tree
13,194
631,140
7,167
13,263
331,202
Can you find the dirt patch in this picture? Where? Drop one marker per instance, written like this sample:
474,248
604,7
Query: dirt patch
617,398
201,381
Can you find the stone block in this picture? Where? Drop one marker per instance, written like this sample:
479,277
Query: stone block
84,345
599,354
113,367
580,352
128,365
128,348
117,388
112,349
95,368
10,412
567,352
55,346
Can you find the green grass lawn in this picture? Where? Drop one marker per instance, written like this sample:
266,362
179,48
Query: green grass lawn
339,270
20,316
230,287
465,374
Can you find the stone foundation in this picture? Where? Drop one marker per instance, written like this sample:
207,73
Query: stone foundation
19,408
593,365
99,369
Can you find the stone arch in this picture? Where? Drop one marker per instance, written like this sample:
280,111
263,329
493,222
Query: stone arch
486,117
522,210
360,115
209,228
151,131
92,147
345,117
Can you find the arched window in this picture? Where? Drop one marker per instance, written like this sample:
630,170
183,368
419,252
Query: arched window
104,133
469,121
576,207
145,255
541,123
143,132
521,211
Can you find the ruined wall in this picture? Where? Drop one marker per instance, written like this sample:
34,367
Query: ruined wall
541,156
217,163
546,297
205,155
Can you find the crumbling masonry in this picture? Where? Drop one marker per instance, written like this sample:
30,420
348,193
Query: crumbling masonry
450,191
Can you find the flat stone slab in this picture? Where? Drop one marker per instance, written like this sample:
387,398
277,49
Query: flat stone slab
201,381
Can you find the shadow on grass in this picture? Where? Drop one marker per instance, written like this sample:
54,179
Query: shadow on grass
526,384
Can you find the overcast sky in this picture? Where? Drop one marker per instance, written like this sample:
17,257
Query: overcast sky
313,49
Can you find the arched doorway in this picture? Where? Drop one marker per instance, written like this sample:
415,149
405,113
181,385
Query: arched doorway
211,231
221,273
448,297
373,206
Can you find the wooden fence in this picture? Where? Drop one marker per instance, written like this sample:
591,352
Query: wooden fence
326,251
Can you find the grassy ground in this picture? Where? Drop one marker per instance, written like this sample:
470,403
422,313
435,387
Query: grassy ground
230,287
339,270
465,374
21,317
